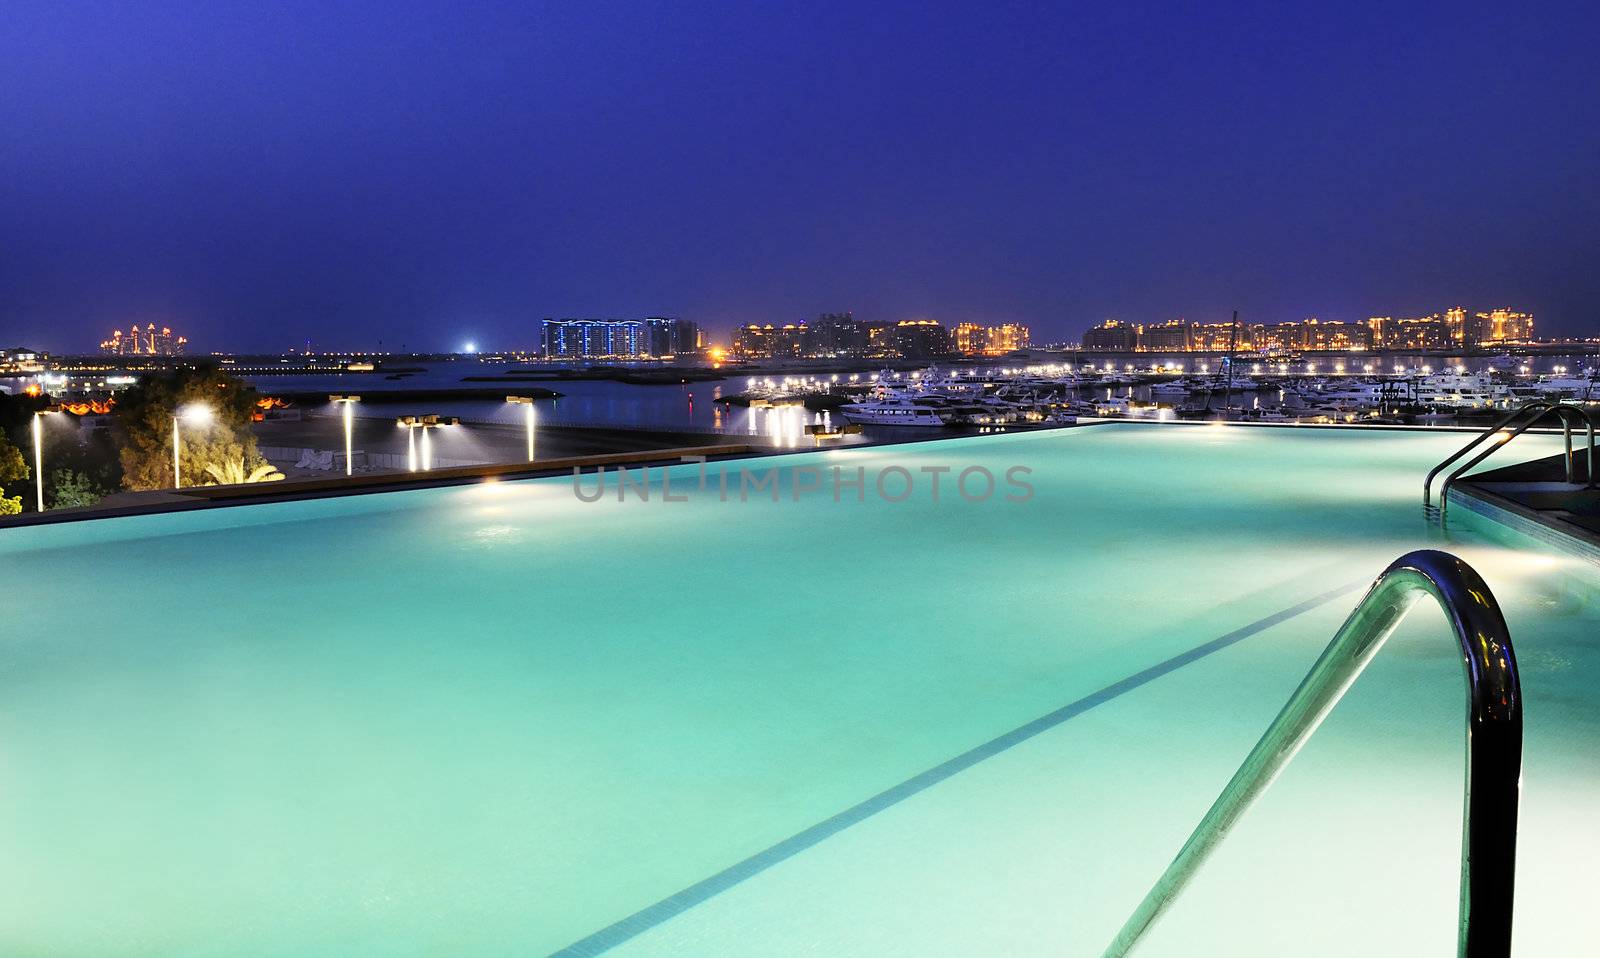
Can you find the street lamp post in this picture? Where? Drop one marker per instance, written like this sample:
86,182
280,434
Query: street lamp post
194,415
527,403
38,450
349,404
413,423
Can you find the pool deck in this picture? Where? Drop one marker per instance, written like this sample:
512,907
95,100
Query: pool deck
641,448
202,497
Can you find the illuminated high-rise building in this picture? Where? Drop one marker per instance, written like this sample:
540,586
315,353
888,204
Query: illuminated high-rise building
1318,335
1114,336
148,341
1458,325
1007,337
1505,325
1218,337
1310,335
617,338
969,339
838,334
1172,336
669,336
881,340
1427,332
756,341
921,339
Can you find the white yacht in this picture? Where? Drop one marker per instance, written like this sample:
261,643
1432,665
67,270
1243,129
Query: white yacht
893,412
1353,393
1460,390
1175,387
1112,406
1568,387
1220,385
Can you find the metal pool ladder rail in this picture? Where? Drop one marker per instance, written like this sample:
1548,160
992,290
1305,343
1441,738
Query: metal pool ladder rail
1494,745
1524,417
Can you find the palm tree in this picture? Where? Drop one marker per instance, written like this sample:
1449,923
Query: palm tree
234,473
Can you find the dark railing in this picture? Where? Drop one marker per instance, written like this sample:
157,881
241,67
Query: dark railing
1494,745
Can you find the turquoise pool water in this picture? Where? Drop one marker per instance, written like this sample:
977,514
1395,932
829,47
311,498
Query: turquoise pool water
496,719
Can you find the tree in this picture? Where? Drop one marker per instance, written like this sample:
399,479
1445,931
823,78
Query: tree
69,488
237,472
67,447
144,417
13,468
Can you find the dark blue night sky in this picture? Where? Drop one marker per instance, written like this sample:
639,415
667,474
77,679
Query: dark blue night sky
257,174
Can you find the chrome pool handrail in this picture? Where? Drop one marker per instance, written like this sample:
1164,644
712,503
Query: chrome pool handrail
1427,482
1494,745
1542,407
1563,412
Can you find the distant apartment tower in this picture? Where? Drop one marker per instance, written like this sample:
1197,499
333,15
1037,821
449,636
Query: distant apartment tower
1505,325
610,338
1310,335
1113,336
148,341
1427,332
1172,336
670,336
838,335
756,341
1218,337
1452,329
1331,336
1462,330
593,338
881,341
1007,337
969,339
687,338
921,339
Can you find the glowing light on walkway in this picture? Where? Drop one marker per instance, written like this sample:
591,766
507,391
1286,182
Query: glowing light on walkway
349,403
530,417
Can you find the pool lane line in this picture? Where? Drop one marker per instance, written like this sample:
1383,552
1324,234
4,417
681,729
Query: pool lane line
676,904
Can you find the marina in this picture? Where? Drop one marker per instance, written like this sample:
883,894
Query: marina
1059,393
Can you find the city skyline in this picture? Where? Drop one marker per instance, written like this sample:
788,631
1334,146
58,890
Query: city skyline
262,177
150,340
689,338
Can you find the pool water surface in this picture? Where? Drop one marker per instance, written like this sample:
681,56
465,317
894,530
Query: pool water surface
497,719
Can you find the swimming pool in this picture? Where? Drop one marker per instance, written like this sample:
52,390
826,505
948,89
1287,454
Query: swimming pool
497,719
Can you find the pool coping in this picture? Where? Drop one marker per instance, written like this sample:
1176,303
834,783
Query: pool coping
1549,529
296,490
